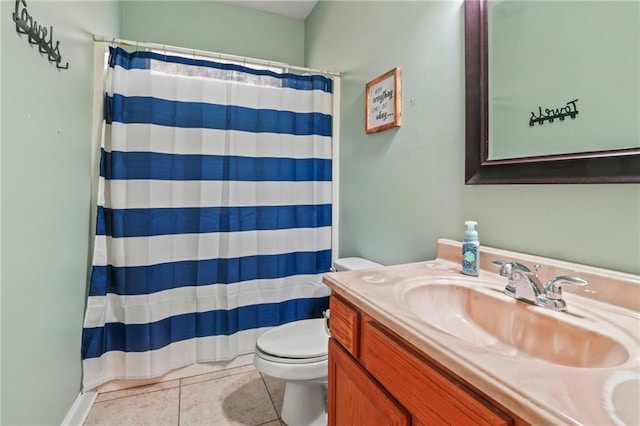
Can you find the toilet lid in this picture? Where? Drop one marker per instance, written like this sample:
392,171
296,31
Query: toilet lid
298,339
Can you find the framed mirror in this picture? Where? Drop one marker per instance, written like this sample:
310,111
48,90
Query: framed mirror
549,103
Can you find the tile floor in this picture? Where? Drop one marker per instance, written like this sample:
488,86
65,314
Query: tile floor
236,396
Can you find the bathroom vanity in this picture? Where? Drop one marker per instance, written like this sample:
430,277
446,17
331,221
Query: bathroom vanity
371,367
423,344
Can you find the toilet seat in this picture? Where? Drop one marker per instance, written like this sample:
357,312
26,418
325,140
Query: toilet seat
285,360
297,342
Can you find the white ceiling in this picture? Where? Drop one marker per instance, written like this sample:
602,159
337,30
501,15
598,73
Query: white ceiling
298,9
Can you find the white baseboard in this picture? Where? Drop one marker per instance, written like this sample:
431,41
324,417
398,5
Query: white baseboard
80,409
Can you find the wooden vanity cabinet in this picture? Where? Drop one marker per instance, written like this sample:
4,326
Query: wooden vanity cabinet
377,378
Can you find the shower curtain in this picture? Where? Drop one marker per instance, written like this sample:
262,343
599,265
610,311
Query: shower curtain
214,212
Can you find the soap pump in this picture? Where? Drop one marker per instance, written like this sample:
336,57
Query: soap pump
471,249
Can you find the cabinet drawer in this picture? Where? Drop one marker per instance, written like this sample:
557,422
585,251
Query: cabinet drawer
430,394
344,324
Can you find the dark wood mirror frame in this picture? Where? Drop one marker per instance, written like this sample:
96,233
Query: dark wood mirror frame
617,166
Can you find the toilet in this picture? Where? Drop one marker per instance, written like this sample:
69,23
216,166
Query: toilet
297,352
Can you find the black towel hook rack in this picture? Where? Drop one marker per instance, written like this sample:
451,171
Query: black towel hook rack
37,34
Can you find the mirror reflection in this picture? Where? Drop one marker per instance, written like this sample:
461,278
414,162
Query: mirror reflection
563,77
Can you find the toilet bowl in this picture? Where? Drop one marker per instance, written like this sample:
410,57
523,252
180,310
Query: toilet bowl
297,353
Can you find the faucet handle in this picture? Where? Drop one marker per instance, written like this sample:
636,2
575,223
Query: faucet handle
553,289
507,268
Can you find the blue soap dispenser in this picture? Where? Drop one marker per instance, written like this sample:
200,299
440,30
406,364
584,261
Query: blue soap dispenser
471,250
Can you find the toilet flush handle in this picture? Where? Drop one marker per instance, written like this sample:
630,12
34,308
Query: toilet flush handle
326,314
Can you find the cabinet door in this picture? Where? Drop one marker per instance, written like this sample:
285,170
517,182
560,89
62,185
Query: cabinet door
354,398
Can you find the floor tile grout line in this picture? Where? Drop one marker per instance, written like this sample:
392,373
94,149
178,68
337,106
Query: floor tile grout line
270,397
179,385
216,378
134,394
179,380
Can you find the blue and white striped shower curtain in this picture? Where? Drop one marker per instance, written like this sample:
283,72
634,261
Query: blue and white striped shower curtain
214,212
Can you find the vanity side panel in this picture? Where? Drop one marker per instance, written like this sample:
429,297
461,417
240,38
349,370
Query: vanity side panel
430,394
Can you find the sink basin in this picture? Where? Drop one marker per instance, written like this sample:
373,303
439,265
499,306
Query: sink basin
621,395
483,316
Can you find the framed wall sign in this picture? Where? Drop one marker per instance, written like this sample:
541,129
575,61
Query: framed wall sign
383,103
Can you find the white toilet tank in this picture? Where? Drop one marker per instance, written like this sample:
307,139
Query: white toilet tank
353,263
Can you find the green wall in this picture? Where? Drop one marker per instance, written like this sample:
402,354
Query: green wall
402,189
216,27
46,174
46,178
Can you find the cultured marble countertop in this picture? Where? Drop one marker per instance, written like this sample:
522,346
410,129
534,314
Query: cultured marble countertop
538,391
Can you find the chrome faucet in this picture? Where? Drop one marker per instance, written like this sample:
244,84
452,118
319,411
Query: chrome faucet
525,285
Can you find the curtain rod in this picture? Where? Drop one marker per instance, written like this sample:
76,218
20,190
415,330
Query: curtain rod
214,55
